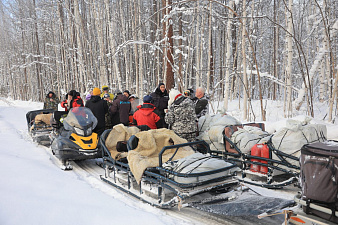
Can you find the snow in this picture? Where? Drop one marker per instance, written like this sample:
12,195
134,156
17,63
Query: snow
34,190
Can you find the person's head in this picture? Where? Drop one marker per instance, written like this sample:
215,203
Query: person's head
71,94
50,94
126,93
96,91
105,88
132,98
187,93
161,86
106,96
173,95
147,99
200,92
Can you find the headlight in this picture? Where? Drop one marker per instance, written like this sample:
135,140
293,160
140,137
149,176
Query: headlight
79,131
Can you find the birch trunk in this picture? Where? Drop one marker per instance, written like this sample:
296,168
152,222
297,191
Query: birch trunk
245,78
228,57
210,48
111,31
79,33
288,73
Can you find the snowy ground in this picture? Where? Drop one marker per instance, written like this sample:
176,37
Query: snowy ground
35,191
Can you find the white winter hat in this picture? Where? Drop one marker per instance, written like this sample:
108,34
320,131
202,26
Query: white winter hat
172,95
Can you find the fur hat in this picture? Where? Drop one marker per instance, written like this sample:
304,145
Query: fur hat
172,95
96,91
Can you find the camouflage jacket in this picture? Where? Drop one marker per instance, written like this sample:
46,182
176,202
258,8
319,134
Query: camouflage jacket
181,116
48,104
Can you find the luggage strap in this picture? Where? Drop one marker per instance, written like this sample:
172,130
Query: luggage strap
333,169
307,209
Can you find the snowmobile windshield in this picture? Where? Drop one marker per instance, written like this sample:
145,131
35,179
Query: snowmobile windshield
80,118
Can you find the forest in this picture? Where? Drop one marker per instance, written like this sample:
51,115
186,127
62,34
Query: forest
281,50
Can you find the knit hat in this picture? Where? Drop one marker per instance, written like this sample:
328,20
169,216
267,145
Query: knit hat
96,91
147,99
172,95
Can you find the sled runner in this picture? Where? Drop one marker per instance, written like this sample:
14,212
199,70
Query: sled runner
76,140
264,158
161,168
39,125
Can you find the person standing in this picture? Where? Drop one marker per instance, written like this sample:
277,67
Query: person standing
108,119
51,101
201,102
105,90
145,114
120,109
181,116
73,100
160,100
99,108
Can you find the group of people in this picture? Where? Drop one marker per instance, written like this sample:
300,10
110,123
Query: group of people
160,109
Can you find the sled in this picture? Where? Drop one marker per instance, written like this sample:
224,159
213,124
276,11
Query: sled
315,209
161,185
76,140
40,129
275,164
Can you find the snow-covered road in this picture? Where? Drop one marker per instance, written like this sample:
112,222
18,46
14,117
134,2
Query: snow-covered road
34,190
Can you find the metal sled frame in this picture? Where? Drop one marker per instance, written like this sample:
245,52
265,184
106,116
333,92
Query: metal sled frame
157,179
298,199
40,132
273,164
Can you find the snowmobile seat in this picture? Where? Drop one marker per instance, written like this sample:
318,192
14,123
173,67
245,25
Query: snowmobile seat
132,143
57,115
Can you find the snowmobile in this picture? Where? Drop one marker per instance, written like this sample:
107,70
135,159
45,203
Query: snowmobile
168,181
39,125
271,167
76,140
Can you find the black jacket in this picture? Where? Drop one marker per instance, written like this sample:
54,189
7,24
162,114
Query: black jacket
99,108
160,99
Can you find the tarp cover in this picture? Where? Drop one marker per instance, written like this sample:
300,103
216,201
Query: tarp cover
245,138
150,144
43,118
291,138
198,163
211,128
